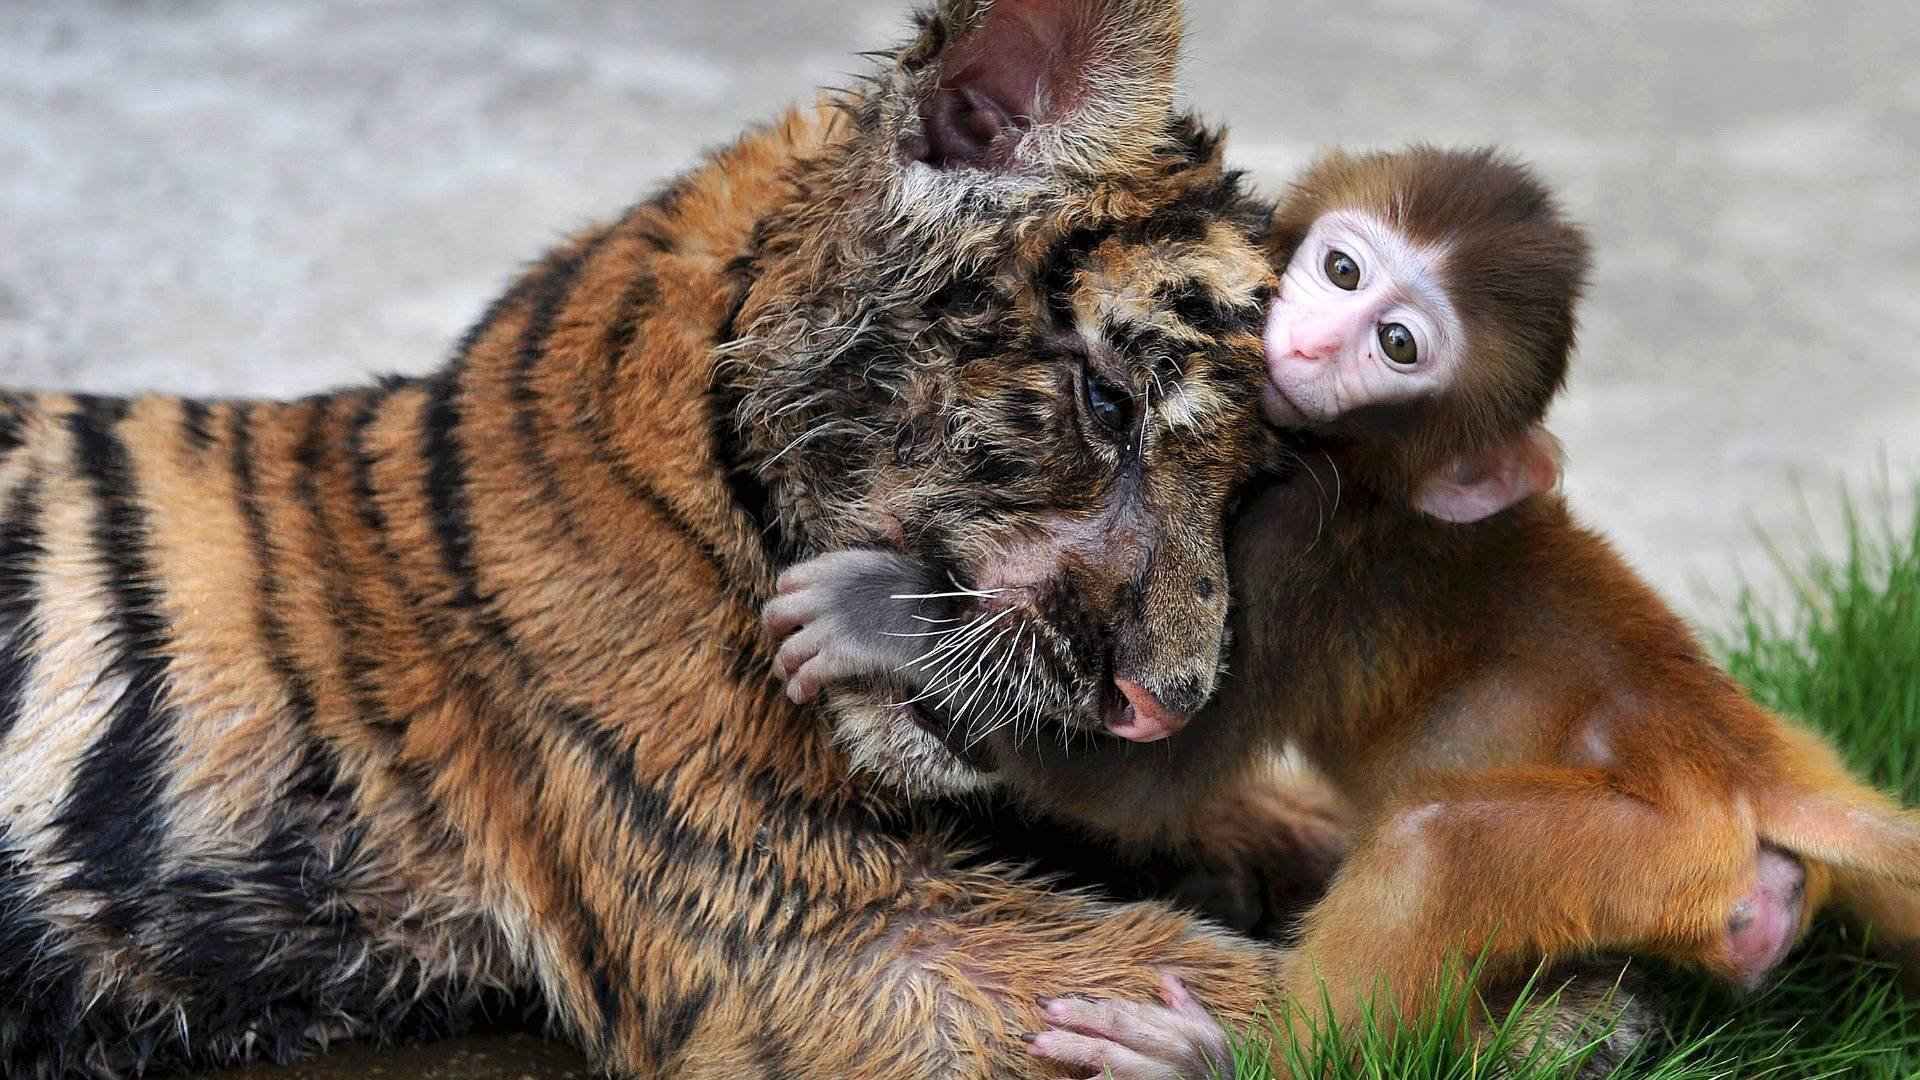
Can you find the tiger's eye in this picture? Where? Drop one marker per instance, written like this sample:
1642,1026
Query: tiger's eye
1397,342
1342,270
1111,406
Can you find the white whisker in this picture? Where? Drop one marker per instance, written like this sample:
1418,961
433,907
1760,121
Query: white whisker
976,593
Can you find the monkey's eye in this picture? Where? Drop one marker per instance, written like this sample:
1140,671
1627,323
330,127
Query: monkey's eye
1397,342
1342,270
1111,406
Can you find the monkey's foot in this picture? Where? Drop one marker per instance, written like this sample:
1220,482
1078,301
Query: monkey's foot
1128,1040
1766,922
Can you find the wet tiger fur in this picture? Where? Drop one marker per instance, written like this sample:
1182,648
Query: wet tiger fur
320,719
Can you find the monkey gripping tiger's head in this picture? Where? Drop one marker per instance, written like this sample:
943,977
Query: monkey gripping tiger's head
1009,325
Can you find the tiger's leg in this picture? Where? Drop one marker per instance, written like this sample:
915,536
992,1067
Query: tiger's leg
945,984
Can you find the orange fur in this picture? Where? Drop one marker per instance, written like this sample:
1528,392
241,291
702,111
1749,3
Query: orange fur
1542,761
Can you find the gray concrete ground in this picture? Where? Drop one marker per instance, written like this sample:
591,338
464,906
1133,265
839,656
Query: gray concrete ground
270,197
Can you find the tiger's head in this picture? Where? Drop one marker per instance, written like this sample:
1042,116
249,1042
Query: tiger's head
1009,324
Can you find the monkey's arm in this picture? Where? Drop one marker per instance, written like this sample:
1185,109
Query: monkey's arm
856,614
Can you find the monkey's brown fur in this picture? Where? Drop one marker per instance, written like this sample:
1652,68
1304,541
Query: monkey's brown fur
1541,760
319,717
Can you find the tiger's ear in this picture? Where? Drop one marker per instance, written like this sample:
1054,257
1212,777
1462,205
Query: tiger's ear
1068,85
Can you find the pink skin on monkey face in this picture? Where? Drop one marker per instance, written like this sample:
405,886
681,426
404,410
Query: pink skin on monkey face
1361,319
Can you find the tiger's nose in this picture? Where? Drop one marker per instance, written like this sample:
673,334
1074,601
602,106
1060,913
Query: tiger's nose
1140,716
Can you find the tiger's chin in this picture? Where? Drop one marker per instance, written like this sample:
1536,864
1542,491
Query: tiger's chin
906,748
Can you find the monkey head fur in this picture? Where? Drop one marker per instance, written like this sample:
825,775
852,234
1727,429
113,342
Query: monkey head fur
1009,325
1511,268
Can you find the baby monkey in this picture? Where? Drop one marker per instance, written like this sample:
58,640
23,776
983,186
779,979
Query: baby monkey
1539,759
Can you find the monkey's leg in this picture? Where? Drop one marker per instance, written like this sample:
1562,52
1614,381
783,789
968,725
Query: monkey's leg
1512,868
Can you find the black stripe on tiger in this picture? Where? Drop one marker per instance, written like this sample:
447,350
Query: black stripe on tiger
20,552
111,823
346,611
1209,313
749,494
670,1028
40,983
267,598
196,422
12,418
446,474
549,298
1068,256
366,500
446,486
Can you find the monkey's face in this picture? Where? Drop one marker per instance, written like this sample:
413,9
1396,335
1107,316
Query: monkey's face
1363,325
1427,307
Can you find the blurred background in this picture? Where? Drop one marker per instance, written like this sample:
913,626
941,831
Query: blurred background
271,197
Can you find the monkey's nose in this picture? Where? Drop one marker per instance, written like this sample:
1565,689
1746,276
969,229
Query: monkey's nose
1296,337
1140,716
1317,343
1315,339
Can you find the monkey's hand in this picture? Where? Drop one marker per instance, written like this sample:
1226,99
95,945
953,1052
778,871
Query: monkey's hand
1128,1040
859,613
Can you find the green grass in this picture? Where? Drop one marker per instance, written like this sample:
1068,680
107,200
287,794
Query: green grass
1843,654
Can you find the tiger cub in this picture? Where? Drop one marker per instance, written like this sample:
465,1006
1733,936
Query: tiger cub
320,719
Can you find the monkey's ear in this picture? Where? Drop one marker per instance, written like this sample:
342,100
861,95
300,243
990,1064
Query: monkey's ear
1481,485
1076,85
